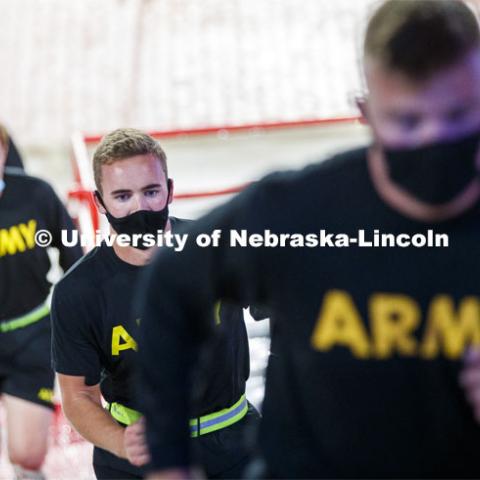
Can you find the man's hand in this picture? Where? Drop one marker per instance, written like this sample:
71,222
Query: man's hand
135,444
470,380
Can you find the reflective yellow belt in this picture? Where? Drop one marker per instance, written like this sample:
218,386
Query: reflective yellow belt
31,317
218,420
198,426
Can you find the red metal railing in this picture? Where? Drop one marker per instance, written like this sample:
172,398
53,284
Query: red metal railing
82,192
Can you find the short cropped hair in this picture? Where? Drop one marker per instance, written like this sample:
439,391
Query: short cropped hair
419,38
124,143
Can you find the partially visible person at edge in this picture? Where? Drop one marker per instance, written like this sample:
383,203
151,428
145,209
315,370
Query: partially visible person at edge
95,328
369,341
14,159
27,205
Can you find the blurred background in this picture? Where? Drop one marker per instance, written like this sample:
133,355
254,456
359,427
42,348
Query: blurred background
93,65
172,65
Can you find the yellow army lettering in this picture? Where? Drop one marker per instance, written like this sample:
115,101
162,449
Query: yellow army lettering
393,319
17,238
122,340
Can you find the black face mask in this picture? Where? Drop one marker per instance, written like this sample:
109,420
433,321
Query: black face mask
435,173
141,222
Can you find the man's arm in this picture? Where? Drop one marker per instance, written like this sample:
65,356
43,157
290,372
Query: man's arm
83,407
76,360
177,296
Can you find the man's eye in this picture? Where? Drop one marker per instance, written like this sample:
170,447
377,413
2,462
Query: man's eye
457,114
123,197
152,193
408,122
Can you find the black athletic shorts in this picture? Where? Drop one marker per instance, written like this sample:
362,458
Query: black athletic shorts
109,473
227,452
222,454
25,369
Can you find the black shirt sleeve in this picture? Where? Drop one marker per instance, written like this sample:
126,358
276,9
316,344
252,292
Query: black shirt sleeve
58,220
179,292
73,340
260,312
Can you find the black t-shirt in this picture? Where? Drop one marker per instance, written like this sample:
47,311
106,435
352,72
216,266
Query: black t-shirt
28,205
95,332
368,340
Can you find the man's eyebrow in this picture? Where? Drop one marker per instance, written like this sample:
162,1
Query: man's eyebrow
399,112
117,192
126,190
152,185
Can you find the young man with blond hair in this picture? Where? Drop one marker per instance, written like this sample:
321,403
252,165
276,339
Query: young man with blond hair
95,326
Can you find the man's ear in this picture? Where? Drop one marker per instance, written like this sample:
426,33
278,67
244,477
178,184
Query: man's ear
361,101
170,190
97,198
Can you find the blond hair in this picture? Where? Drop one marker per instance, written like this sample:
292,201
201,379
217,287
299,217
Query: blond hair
124,143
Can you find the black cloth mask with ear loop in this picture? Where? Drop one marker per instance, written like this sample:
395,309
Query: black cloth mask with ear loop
139,223
438,172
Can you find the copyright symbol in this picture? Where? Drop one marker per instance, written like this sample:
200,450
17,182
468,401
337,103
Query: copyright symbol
43,238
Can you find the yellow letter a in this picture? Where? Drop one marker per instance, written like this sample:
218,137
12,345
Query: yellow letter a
339,323
118,333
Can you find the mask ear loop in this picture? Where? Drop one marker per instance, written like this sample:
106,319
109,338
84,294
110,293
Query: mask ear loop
97,195
169,189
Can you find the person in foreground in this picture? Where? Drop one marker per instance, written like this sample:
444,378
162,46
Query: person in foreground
369,340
